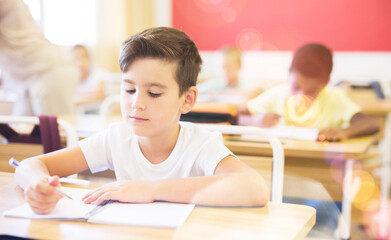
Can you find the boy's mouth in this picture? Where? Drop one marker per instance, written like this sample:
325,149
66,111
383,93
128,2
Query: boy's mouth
138,119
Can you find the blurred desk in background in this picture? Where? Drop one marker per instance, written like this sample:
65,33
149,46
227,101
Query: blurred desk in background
212,112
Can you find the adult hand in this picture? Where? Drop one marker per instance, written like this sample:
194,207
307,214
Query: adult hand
43,197
123,191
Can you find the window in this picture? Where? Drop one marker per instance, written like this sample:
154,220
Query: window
66,22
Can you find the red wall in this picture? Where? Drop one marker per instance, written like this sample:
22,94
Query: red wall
343,25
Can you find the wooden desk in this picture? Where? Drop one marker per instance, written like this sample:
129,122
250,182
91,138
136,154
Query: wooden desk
351,148
376,107
308,159
311,155
381,108
297,153
274,221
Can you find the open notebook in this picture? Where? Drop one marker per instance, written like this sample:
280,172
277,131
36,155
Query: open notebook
157,214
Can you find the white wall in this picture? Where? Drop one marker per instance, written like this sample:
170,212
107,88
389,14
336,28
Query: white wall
265,69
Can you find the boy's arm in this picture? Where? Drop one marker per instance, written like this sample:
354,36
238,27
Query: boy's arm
43,197
260,111
360,124
60,163
267,119
234,184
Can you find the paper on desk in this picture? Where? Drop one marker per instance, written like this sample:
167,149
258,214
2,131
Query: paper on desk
66,209
156,214
291,132
295,132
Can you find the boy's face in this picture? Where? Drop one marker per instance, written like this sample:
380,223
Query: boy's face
150,101
304,85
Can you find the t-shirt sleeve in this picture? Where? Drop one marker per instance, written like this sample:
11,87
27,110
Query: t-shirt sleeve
265,102
212,152
96,150
349,108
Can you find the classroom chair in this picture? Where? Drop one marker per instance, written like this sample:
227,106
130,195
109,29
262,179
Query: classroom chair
46,131
278,152
50,123
109,105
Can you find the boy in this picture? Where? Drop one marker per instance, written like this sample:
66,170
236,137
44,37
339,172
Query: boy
307,101
153,155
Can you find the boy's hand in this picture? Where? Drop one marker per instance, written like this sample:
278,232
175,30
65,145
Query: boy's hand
43,197
123,191
331,134
268,119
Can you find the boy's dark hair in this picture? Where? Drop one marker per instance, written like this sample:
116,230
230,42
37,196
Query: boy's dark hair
167,44
313,60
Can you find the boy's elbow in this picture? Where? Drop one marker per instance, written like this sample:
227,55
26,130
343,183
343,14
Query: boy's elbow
376,126
259,191
261,199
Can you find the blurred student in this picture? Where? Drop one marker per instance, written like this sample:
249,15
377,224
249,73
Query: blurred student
92,78
232,64
154,156
307,101
39,72
229,87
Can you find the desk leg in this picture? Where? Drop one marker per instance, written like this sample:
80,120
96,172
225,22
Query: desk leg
349,190
385,177
384,205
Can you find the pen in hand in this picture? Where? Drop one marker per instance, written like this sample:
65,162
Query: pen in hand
13,162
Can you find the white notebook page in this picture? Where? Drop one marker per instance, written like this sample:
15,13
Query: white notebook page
156,214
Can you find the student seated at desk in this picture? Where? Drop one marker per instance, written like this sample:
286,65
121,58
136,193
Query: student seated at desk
232,64
92,78
307,101
154,156
230,85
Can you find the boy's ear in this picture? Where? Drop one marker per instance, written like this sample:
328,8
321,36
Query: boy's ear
190,99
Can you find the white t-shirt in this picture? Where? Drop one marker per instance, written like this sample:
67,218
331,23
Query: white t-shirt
196,153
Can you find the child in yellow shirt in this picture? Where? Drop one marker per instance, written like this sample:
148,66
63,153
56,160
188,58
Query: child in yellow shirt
307,101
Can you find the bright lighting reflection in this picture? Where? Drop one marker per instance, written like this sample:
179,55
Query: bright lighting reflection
249,39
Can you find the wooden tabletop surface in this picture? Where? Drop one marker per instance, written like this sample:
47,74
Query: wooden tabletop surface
274,221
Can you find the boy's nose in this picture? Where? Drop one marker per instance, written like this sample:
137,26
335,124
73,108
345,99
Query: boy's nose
137,102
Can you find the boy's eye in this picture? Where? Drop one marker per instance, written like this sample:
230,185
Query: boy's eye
131,91
154,95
